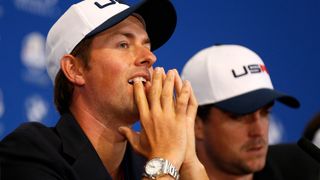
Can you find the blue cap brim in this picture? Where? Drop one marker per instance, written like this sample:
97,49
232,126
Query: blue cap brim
254,100
159,16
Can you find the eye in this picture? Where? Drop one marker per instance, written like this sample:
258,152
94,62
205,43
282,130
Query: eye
124,45
234,116
266,111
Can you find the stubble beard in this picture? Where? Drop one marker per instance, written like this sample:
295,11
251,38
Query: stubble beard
254,163
239,166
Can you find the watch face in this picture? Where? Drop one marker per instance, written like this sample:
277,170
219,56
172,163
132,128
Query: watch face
153,167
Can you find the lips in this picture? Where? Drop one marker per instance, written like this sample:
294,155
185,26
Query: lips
255,148
140,76
255,145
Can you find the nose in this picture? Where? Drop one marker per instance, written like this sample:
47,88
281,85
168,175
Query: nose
145,57
258,124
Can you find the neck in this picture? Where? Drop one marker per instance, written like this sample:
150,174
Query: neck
103,134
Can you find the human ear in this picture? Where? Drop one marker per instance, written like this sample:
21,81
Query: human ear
199,129
72,69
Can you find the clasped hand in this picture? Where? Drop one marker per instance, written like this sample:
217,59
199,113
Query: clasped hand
167,120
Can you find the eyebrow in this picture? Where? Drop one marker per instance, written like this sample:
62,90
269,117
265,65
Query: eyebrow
132,36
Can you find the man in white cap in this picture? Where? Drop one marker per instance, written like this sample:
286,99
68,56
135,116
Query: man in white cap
235,96
100,59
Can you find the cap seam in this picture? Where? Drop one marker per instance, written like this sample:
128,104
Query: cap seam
210,80
84,20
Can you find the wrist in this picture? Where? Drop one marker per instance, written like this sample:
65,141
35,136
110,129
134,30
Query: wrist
193,170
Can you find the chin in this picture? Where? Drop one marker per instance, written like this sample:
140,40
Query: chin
256,165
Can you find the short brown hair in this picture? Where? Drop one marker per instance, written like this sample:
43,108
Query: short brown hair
63,88
204,111
312,127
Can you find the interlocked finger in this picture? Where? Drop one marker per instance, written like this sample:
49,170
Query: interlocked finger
167,92
183,98
156,89
141,101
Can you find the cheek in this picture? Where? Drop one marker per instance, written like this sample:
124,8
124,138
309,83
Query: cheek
110,69
113,77
106,76
232,136
266,129
220,142
113,70
109,62
222,135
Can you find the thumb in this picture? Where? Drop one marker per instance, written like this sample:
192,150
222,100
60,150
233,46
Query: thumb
133,138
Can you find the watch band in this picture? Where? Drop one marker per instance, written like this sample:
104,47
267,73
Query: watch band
171,170
160,167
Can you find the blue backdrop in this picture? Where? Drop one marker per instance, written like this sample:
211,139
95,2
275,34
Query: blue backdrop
285,33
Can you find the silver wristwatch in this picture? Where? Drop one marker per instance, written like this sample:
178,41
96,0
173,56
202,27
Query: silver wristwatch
159,167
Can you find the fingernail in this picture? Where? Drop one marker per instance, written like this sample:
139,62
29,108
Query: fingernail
171,71
157,69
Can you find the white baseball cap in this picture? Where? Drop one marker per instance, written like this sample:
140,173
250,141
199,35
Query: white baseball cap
232,78
89,17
